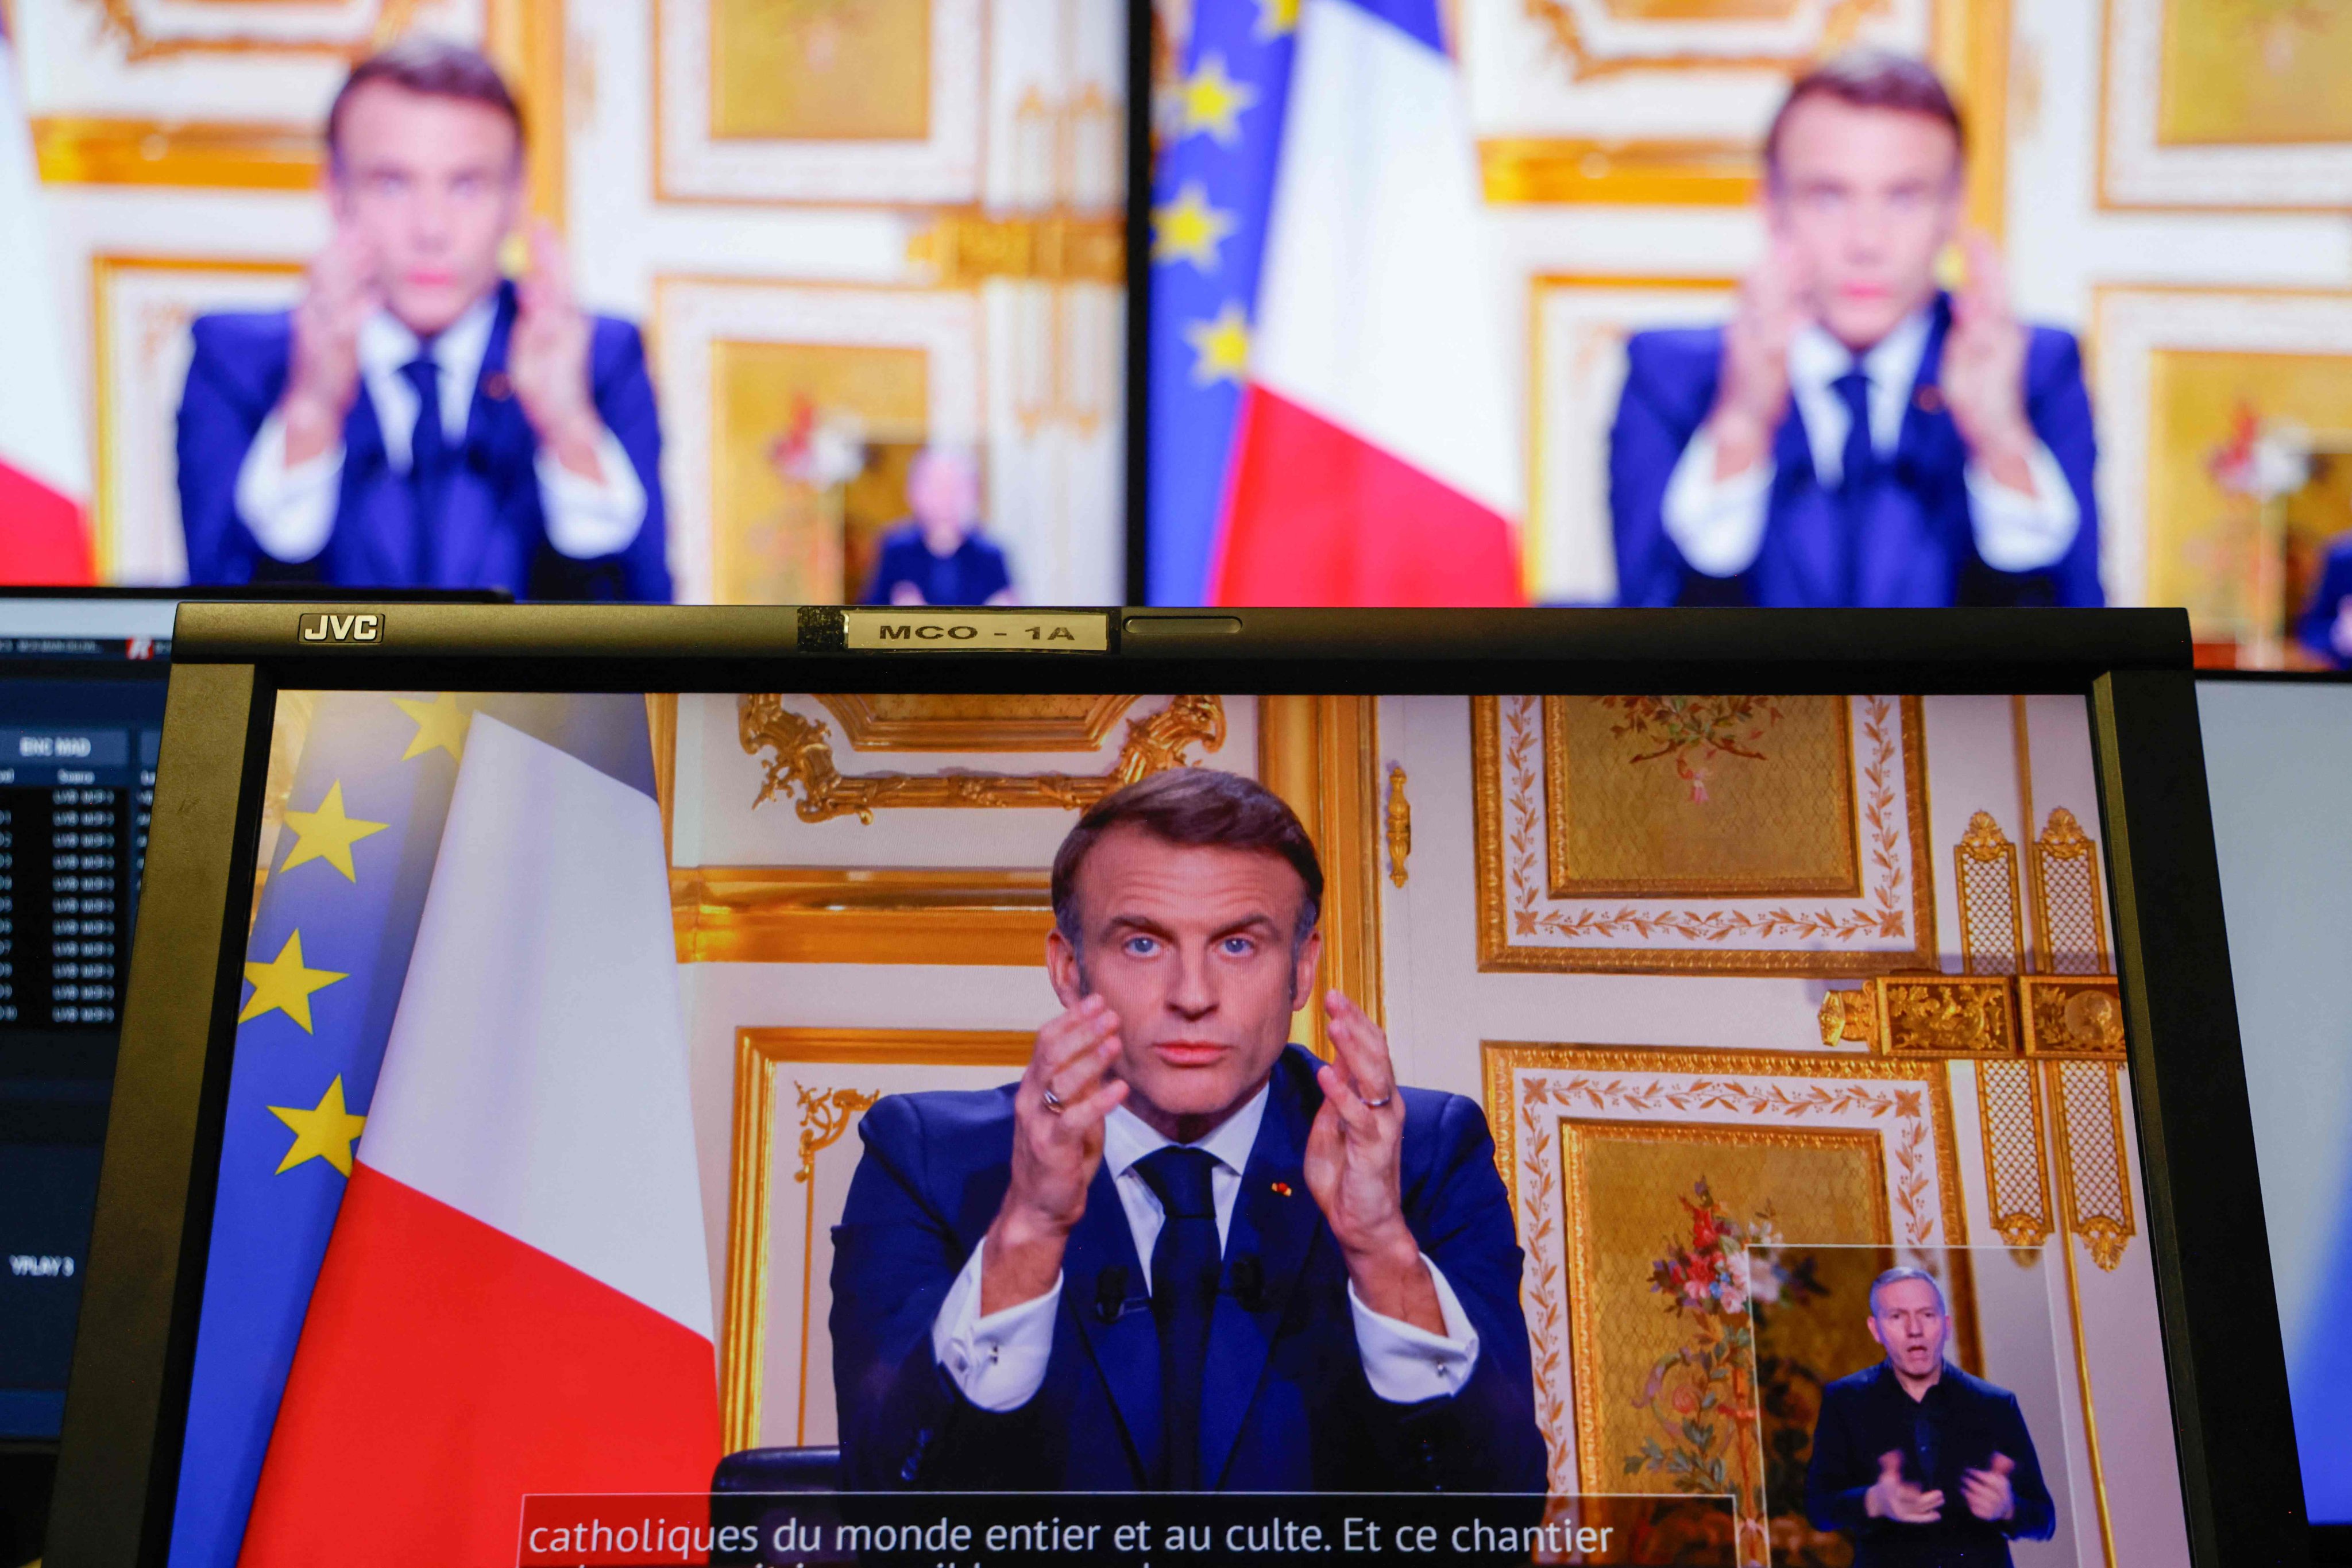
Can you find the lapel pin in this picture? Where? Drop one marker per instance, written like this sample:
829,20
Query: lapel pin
496,387
1282,1189
1930,399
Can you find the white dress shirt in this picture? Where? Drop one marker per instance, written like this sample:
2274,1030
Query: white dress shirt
1718,524
999,1361
290,509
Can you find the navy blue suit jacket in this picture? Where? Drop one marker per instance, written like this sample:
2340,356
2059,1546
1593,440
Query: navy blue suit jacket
492,533
2314,629
1286,1407
1917,547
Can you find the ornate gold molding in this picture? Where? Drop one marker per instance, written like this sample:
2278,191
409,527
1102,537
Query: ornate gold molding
2093,1184
825,1117
801,766
87,150
1400,824
2070,925
1984,867
1318,753
119,18
2017,1181
793,914
974,721
964,249
1515,169
1840,23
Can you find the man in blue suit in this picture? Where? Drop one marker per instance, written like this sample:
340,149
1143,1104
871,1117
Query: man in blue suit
1857,436
1181,1254
417,420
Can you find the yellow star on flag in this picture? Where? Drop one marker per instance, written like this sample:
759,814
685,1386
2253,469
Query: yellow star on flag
327,834
324,1133
1222,346
440,723
1189,229
284,984
1276,17
1213,102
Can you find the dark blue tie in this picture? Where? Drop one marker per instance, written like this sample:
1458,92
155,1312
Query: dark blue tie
1854,484
428,464
1183,1295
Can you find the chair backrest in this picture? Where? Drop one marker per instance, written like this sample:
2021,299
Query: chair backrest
779,1470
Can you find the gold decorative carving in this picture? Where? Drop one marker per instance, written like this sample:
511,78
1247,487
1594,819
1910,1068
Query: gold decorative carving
119,18
2070,926
1840,23
1400,820
825,1117
1318,753
2073,1017
1506,742
803,764
974,721
1948,1016
1849,1017
789,914
964,249
1984,865
2093,1190
2017,1179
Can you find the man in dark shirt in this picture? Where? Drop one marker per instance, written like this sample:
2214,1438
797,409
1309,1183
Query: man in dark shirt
1919,1464
937,556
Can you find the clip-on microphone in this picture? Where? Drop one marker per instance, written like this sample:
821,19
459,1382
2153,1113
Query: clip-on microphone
1110,1293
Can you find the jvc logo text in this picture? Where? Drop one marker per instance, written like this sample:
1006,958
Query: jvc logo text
342,628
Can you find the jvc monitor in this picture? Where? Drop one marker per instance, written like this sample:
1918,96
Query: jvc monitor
1051,1086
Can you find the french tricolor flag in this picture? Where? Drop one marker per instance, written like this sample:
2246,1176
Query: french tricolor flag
44,466
516,1298
1367,455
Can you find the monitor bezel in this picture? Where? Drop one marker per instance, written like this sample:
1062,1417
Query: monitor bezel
2240,1484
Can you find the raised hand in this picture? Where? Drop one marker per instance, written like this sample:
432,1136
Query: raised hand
1892,1497
1989,1493
1983,374
1057,1141
547,358
339,294
1752,394
1354,1157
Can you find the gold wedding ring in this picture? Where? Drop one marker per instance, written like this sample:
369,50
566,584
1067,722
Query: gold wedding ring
1381,1102
1053,1100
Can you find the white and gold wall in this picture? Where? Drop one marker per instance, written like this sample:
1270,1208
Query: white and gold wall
903,213
1845,959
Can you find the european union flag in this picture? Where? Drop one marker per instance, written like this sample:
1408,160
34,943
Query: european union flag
324,967
1209,207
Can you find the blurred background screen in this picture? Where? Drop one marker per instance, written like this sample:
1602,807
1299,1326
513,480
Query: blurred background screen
2278,759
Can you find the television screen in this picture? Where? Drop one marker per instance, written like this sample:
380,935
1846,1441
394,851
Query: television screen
81,709
2278,757
1704,1117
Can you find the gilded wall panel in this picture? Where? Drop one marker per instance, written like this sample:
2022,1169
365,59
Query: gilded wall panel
862,102
1769,1124
1673,918
798,1093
